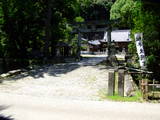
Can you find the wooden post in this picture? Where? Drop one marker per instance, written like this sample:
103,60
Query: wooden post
144,88
111,82
1,66
121,83
79,46
109,41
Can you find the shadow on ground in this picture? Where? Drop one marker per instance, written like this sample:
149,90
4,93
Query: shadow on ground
57,69
3,117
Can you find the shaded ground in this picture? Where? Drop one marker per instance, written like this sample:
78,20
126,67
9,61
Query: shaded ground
79,80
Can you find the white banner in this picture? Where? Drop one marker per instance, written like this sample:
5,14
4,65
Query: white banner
140,50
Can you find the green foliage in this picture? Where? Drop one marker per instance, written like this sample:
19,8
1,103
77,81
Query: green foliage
94,9
31,29
127,11
24,23
145,18
79,19
151,59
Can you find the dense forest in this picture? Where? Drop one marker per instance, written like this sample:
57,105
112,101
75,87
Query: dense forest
32,29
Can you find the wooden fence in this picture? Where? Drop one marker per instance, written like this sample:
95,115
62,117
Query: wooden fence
149,88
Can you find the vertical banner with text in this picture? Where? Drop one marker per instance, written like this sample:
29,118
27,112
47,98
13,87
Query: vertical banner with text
140,49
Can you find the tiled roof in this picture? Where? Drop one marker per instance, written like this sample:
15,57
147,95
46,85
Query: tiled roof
94,42
120,36
116,36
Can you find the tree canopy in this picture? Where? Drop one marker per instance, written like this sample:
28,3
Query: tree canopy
31,29
141,16
28,27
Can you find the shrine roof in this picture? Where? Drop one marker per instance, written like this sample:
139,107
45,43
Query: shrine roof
120,36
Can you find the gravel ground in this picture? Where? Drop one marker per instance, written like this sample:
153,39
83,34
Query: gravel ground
77,81
67,92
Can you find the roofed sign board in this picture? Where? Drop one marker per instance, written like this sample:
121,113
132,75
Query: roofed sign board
140,49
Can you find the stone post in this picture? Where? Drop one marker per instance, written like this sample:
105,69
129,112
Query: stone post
111,82
121,83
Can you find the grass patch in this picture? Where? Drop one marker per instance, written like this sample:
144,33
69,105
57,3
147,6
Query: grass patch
136,98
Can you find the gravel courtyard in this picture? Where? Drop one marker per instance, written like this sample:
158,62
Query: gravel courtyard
77,81
67,91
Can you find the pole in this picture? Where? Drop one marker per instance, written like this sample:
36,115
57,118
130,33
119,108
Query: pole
109,41
79,46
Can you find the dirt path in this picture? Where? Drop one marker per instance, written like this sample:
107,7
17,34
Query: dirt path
79,80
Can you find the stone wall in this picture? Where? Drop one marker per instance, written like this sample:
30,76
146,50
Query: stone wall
129,85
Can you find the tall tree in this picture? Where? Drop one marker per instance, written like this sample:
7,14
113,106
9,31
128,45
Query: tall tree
141,16
95,9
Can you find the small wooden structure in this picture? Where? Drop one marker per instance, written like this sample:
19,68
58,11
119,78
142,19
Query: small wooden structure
63,49
120,39
145,86
97,46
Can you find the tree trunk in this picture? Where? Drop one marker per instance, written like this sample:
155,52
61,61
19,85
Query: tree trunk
48,29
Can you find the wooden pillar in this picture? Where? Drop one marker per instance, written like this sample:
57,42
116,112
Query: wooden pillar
1,66
121,76
48,33
144,88
111,82
79,46
109,41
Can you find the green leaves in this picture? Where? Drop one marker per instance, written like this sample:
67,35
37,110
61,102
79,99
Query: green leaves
24,23
145,18
79,19
94,9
